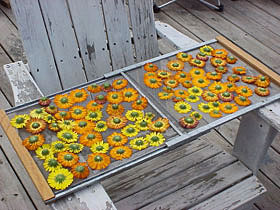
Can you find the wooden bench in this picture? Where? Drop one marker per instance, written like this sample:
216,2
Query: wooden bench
56,55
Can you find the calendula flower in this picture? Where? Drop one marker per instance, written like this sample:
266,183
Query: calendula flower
228,108
44,101
159,125
226,96
262,81
100,126
51,164
233,78
78,95
185,57
149,115
67,136
94,106
196,62
218,87
204,107
218,62
171,82
60,179
260,91
78,112
209,96
162,74
182,107
38,113
150,67
219,53
139,143
202,56
66,124
221,69
63,101
239,70
214,76
142,124
168,89
187,84
90,138
197,91
116,122
99,147
51,109
248,79
152,82
19,121
115,109
35,126
54,127
45,151
94,88
106,87
58,146
242,100
181,93
231,60
33,142
83,126
115,97
67,159
244,91
120,152
206,49
80,170
119,84
155,139
130,130
134,115
215,105
175,65
117,139
140,104
181,76
75,147
177,99
150,74
193,98
49,118
62,115
129,94
215,113
100,99
200,82
231,86
165,95
98,161
94,116
188,122
196,115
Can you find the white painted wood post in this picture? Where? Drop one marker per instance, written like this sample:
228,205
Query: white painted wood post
253,139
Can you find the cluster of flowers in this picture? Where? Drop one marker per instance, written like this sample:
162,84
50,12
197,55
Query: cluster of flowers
198,83
78,127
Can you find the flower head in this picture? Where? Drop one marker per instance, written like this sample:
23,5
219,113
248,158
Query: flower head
19,121
60,179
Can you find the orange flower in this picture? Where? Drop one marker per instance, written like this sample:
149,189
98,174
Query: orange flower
140,104
196,62
54,127
152,82
67,159
175,65
187,84
231,86
80,170
233,78
239,70
231,59
200,82
117,139
35,126
94,88
83,126
33,142
244,91
181,76
159,125
262,81
90,138
165,95
114,97
51,109
150,74
218,87
220,53
150,67
221,69
98,161
93,106
62,115
106,87
163,74
181,93
116,122
63,101
228,108
218,62
79,95
242,100
197,72
215,113
129,94
115,109
171,82
209,96
185,57
78,112
119,84
260,91
214,75
248,79
120,152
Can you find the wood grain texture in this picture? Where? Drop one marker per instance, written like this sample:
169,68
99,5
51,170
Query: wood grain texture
5,3
63,42
29,164
36,44
91,35
263,69
143,29
117,28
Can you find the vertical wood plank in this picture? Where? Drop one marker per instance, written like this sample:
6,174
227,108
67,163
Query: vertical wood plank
89,25
36,44
143,29
117,27
63,41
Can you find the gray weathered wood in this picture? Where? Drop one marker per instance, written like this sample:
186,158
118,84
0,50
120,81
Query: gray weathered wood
234,197
91,35
143,29
35,39
270,6
63,42
116,21
253,140
271,114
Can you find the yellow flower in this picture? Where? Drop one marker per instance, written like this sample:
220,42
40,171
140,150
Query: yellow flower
45,151
215,105
19,121
130,130
134,115
101,126
58,146
51,164
204,107
78,112
165,95
142,124
182,107
60,179
94,115
75,147
193,98
197,91
66,124
218,87
49,118
38,113
139,143
155,139
149,115
196,115
99,147
206,49
67,136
